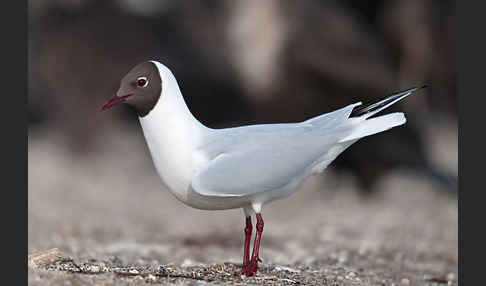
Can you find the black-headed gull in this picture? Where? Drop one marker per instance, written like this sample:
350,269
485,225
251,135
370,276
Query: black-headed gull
242,167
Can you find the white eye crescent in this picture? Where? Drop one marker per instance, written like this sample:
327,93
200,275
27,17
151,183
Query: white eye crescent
142,81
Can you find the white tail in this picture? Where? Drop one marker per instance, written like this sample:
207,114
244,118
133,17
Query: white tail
375,125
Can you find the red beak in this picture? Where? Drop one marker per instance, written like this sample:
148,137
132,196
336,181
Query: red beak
114,101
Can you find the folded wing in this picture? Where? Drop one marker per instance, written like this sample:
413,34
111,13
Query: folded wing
255,159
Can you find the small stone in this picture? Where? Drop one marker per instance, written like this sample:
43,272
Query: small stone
405,281
343,259
285,268
362,250
43,258
161,268
451,276
187,263
352,274
133,271
340,278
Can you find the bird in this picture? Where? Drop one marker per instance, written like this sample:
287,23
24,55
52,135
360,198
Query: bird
243,167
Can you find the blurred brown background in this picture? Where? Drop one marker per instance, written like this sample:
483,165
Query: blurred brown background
237,62
251,62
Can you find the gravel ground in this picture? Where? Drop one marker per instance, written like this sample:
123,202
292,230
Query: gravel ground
103,218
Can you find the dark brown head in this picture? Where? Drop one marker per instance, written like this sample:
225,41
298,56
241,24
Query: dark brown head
140,88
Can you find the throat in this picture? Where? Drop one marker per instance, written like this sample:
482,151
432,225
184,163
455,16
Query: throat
172,135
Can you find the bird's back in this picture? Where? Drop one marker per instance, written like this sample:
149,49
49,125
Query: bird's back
257,158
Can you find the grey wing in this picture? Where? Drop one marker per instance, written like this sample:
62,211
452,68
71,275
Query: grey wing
263,163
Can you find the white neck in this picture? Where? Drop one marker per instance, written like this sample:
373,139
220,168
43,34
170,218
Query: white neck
172,134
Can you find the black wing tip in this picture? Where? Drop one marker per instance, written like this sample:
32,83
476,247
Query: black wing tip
422,86
394,96
412,89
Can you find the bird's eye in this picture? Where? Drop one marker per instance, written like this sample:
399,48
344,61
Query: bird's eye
142,81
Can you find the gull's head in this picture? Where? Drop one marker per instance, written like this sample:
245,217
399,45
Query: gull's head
140,88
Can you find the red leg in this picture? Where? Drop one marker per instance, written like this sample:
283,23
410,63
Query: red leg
246,249
253,266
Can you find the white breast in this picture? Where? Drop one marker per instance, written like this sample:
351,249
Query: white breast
171,158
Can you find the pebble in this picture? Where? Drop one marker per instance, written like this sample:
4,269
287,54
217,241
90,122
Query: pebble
340,278
451,276
161,268
343,259
405,281
285,268
151,277
352,274
187,263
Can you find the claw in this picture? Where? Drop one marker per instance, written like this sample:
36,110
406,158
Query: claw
244,269
252,267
